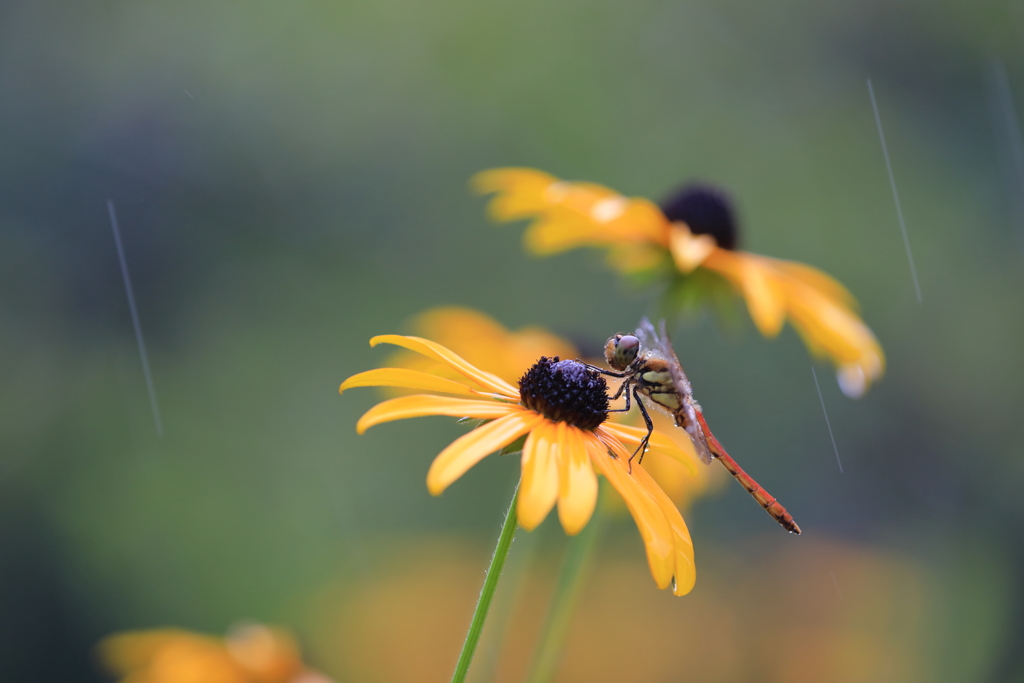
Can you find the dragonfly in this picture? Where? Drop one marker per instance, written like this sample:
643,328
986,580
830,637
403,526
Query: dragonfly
649,367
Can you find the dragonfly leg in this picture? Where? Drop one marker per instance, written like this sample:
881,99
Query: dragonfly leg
618,393
622,410
588,366
622,389
642,448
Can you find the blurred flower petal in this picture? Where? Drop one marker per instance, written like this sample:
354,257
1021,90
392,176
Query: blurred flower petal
483,342
569,214
252,653
767,309
689,250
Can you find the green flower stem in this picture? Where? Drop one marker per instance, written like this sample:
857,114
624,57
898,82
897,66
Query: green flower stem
570,580
508,530
516,577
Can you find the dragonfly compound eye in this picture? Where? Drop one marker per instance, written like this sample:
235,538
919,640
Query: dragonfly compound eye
621,350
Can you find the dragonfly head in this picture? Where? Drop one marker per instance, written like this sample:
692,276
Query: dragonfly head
621,350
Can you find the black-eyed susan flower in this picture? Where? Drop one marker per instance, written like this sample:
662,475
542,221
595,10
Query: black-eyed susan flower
486,343
249,654
695,232
560,407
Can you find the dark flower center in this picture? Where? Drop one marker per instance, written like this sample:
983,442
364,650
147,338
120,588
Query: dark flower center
565,391
706,210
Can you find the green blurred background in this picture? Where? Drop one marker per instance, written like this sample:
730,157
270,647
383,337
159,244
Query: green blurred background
291,179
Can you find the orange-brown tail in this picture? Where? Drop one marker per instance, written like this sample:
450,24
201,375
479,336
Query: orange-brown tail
770,505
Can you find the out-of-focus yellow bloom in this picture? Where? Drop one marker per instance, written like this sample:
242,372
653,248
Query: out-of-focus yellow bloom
249,654
487,344
823,609
483,342
695,230
560,408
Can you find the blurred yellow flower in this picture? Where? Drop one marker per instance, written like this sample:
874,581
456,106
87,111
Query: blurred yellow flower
694,230
823,609
249,654
482,341
560,408
489,345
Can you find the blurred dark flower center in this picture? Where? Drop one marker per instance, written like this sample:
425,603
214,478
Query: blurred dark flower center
706,210
565,391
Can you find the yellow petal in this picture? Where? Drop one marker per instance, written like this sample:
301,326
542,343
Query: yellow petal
753,279
483,342
539,487
685,572
471,448
422,405
820,309
554,233
833,328
650,520
763,301
689,250
124,653
570,214
681,451
448,324
406,379
818,280
577,483
521,191
642,222
584,216
440,353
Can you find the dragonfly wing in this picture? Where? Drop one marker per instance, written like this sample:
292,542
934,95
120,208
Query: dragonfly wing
686,415
647,335
692,427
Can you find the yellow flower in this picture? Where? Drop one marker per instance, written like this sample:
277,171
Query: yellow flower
694,230
560,408
249,654
483,342
487,344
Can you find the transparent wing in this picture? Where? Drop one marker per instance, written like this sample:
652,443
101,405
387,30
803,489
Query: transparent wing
647,335
657,340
